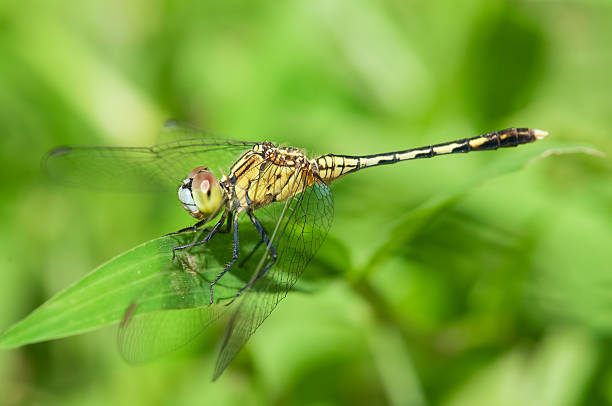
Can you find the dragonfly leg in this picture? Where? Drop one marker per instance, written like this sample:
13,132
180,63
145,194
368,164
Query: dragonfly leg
212,232
192,228
199,224
235,253
244,261
273,254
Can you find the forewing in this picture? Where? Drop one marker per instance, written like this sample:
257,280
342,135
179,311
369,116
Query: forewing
141,169
297,229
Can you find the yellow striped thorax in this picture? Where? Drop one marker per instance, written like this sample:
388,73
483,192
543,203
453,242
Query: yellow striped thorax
267,173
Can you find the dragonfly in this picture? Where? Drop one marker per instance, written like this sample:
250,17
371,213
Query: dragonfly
257,225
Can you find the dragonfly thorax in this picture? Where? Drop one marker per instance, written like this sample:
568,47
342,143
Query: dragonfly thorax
201,193
267,173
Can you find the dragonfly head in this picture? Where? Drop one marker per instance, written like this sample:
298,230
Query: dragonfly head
201,194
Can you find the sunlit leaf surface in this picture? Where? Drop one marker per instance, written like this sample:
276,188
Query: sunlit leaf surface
102,297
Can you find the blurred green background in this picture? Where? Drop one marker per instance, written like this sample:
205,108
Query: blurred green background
504,298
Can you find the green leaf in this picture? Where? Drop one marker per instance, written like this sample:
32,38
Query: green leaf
138,287
102,297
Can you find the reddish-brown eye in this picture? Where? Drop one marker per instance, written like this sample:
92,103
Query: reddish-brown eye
201,193
195,171
203,181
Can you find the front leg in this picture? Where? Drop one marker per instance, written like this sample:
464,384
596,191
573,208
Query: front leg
210,234
199,224
192,228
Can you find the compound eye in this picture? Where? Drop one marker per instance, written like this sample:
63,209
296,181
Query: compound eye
206,191
195,171
204,181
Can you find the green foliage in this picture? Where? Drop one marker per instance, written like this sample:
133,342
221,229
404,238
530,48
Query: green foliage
441,282
143,275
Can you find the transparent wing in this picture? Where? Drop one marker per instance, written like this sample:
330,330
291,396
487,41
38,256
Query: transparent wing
175,130
142,169
297,229
167,319
174,307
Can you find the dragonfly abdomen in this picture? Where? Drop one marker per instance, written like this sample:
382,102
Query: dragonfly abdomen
332,167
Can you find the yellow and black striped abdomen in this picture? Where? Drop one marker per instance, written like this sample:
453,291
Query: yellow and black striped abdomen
332,167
